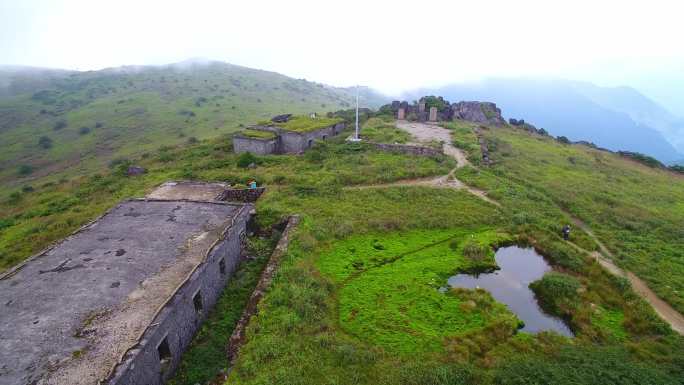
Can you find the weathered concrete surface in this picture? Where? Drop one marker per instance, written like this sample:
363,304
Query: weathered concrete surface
286,142
296,142
433,114
255,146
72,311
196,191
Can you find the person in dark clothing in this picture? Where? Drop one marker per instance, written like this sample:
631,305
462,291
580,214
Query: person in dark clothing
566,232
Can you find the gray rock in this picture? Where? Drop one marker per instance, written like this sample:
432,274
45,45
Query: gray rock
136,170
479,112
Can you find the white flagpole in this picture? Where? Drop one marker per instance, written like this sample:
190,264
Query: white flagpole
356,136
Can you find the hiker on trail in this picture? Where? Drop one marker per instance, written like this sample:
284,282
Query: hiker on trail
566,232
252,184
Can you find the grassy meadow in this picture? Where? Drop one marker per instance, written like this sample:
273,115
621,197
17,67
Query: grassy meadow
74,124
636,211
356,299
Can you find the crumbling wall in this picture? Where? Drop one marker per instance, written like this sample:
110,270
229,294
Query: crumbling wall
296,142
241,195
255,146
176,323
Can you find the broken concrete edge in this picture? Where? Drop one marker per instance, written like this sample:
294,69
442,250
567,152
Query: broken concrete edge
244,206
184,181
238,338
15,269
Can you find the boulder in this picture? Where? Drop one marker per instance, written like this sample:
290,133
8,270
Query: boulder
479,112
135,170
281,118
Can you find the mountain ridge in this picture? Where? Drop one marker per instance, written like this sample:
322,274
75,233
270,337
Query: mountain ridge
564,109
91,118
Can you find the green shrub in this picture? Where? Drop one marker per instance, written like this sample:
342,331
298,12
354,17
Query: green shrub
557,292
245,159
587,366
45,142
14,197
60,124
25,169
643,159
6,222
434,373
563,139
475,252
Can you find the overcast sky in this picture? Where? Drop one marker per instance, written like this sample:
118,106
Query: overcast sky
389,45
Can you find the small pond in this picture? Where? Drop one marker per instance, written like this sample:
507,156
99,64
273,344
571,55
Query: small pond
509,285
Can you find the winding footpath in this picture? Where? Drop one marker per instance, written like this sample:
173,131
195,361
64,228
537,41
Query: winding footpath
425,133
664,310
428,133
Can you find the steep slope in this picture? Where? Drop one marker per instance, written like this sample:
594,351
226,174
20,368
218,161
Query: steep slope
87,119
639,108
561,109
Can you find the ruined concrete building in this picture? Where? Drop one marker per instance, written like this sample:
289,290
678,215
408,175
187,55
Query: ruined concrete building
119,300
286,134
442,110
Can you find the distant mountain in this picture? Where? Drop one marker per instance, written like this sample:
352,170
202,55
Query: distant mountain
15,80
614,118
640,108
54,121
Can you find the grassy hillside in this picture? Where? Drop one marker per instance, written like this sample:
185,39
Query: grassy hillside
56,124
356,299
636,210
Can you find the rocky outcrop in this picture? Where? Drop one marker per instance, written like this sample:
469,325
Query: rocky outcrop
479,112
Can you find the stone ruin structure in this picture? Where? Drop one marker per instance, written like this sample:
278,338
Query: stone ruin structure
275,139
119,300
479,112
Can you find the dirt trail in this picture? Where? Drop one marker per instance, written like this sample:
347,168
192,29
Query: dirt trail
430,132
664,310
425,132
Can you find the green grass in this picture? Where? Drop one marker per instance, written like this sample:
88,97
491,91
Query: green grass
355,300
206,356
387,288
350,299
31,220
382,129
257,134
611,322
635,210
303,123
133,112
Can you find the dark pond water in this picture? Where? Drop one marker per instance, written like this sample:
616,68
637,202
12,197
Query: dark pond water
519,267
